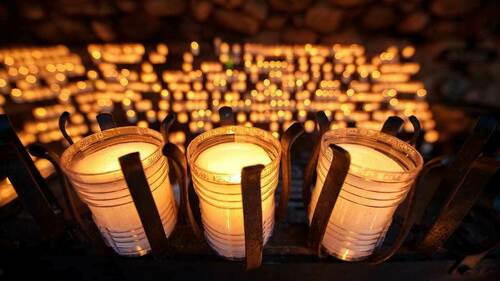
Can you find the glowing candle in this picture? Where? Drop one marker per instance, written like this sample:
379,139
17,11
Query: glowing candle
94,170
216,159
383,169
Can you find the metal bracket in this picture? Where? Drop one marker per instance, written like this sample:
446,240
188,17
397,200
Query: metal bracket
393,126
105,121
177,157
322,125
287,141
144,202
468,192
165,126
334,180
252,215
30,186
226,116
63,120
454,178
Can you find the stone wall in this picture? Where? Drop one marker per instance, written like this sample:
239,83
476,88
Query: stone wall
459,37
290,21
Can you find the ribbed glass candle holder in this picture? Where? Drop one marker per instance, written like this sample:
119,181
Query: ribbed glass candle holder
93,168
216,158
382,171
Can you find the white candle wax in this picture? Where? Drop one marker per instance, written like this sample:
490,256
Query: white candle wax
106,159
222,217
230,158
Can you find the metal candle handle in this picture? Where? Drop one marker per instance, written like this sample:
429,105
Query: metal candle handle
333,184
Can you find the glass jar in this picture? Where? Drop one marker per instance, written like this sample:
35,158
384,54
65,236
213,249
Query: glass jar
216,158
382,171
92,166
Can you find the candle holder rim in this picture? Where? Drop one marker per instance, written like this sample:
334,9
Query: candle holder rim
267,168
370,133
68,154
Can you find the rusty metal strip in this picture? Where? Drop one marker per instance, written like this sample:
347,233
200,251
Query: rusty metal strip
177,157
287,141
417,130
106,121
144,202
30,186
40,151
63,120
471,261
226,116
322,125
252,215
393,126
166,124
409,219
334,180
457,169
468,192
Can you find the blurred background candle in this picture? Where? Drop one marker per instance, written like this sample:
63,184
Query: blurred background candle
216,159
94,170
382,171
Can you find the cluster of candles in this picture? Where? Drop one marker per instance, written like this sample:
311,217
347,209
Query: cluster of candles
268,87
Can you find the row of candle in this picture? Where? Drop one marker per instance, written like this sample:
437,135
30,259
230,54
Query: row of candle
380,165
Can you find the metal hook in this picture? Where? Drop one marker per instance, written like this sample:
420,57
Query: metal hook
252,215
341,160
322,125
393,126
167,122
105,121
40,151
226,116
63,119
289,137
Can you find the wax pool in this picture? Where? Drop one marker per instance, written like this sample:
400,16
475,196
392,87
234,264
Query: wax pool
230,158
106,159
369,158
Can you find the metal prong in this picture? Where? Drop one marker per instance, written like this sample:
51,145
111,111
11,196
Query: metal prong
166,124
63,119
105,121
226,116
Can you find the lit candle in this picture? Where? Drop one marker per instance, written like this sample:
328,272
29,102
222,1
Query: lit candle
94,170
382,170
216,159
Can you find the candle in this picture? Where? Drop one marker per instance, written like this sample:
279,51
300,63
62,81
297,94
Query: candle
93,168
216,159
382,170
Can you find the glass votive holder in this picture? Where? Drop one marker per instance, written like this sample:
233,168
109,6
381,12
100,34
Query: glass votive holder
382,170
92,166
216,159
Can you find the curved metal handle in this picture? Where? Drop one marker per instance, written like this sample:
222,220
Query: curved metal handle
138,185
70,200
287,141
63,120
106,121
414,210
334,180
226,116
178,159
393,126
166,124
252,215
322,125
